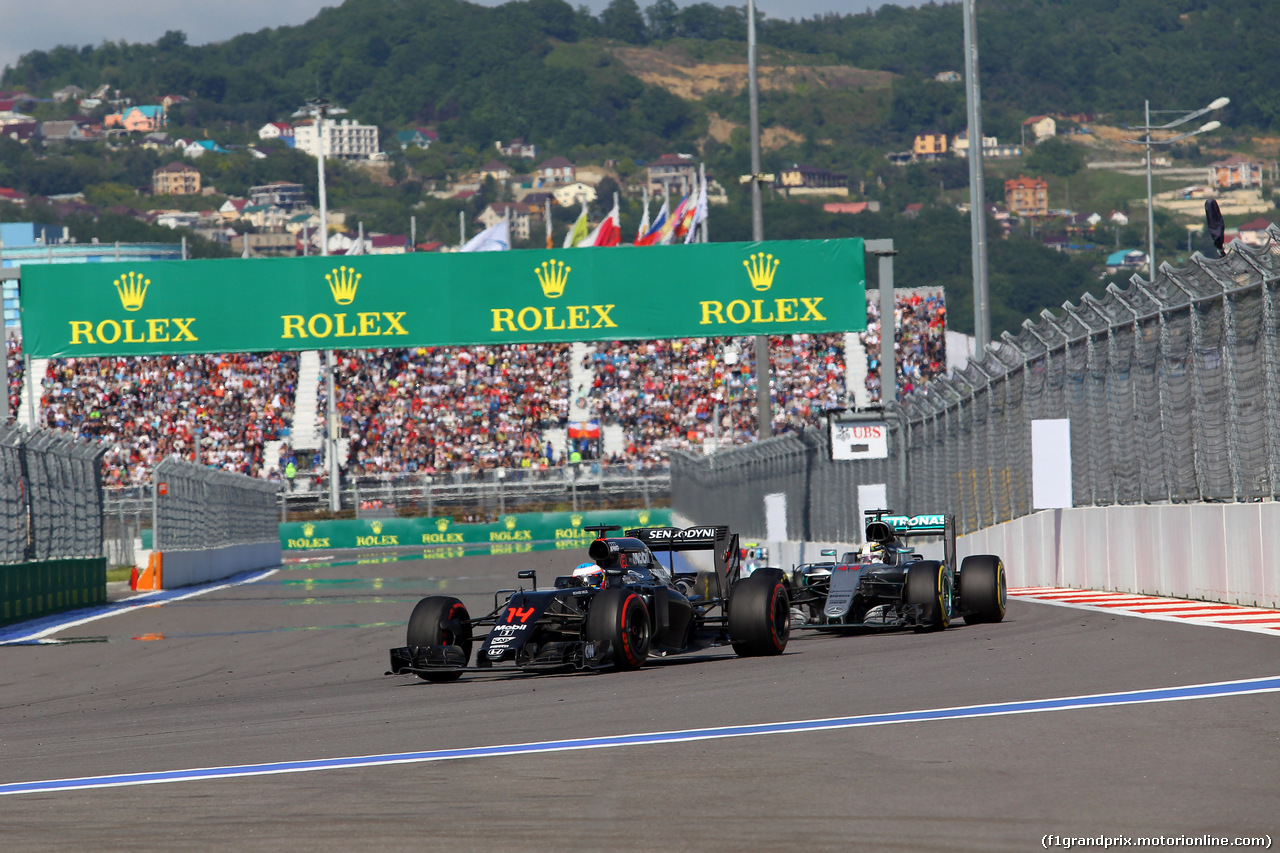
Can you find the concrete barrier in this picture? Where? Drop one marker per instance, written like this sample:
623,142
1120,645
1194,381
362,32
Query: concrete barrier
184,568
1211,552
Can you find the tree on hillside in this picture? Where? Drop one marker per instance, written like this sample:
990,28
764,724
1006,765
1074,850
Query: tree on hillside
664,19
1057,157
622,20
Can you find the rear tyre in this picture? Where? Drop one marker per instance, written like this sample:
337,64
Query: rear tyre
439,620
620,618
929,587
760,614
984,590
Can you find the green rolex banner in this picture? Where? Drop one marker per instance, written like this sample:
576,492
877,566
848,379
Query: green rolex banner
431,299
509,533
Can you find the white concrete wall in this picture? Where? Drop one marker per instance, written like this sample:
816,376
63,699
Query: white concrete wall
184,568
1212,552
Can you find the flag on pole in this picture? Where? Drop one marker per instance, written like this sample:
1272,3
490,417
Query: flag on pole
579,230
651,236
607,233
644,223
671,229
699,214
495,238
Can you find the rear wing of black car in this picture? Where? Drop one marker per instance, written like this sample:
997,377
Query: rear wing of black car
722,542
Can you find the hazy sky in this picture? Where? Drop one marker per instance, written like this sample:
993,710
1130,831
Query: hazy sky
49,23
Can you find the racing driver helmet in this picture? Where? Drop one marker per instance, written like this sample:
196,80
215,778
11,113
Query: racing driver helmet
589,574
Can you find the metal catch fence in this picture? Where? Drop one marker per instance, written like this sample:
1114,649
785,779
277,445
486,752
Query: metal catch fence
50,496
196,507
1172,389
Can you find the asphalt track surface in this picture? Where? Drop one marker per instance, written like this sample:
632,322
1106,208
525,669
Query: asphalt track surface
290,669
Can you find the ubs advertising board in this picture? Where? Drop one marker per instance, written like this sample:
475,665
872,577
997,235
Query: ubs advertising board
431,299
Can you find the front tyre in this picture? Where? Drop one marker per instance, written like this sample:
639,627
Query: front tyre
620,618
760,614
439,620
929,588
984,590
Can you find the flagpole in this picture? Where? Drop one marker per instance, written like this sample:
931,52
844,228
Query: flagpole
702,173
462,228
764,404
547,216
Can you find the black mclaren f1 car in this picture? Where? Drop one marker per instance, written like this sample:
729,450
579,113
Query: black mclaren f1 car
888,585
611,613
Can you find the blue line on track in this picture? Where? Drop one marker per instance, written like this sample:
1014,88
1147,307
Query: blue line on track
27,633
1164,694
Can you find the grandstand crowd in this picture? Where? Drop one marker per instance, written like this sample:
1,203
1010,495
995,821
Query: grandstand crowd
431,409
147,408
467,409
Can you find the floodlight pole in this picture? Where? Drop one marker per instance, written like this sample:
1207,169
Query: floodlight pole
977,188
319,108
1146,141
764,402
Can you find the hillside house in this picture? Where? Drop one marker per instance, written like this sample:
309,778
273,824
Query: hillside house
1254,233
556,170
572,195
175,179
677,171
76,129
497,170
345,140
1039,128
1027,196
275,130
201,147
69,93
232,208
948,77
415,137
283,194
265,217
1235,173
517,148
521,216
138,119
929,146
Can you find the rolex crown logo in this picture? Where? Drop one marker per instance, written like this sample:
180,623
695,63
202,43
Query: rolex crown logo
308,530
510,522
377,526
576,519
760,268
442,524
132,287
552,275
343,282
644,517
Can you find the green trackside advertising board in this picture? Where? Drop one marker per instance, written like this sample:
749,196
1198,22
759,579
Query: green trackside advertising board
509,534
431,299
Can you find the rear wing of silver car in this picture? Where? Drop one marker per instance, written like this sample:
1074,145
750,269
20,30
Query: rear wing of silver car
718,539
883,527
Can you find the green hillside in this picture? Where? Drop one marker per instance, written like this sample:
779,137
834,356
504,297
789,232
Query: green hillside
838,92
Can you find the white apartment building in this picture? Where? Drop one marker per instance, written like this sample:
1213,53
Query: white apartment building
345,140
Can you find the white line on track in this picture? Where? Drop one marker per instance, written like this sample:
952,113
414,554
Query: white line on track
1102,700
1238,617
62,621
